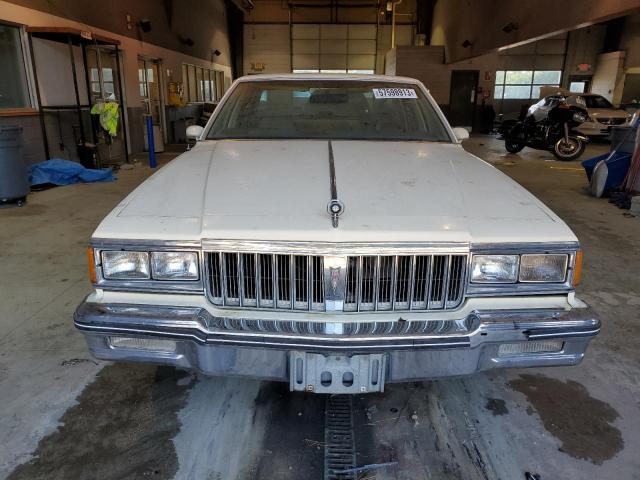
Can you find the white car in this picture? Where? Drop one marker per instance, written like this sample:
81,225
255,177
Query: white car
602,114
331,232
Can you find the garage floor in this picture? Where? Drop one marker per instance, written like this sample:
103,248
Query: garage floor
65,415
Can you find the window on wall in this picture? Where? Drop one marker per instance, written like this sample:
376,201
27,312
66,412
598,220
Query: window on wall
14,88
219,84
353,71
524,84
202,84
107,82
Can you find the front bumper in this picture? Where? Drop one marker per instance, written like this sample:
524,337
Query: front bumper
596,129
201,346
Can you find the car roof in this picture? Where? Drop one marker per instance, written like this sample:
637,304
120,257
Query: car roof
577,94
328,76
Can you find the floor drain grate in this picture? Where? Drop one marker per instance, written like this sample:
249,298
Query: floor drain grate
339,449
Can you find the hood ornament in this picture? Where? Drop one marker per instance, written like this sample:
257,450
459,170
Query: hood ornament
335,208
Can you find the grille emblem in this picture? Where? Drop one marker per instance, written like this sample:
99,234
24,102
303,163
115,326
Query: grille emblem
335,280
334,272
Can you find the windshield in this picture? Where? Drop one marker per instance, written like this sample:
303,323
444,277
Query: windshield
596,101
328,109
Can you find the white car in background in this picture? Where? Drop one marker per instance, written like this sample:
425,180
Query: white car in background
331,232
602,114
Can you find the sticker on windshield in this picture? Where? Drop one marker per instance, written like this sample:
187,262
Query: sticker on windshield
394,93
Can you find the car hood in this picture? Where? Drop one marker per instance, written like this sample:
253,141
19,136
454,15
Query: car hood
607,113
279,190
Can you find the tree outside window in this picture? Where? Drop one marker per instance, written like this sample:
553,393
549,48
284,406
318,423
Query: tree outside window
524,84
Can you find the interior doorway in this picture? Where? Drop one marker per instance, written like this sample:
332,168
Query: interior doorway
104,86
631,90
462,103
152,101
579,83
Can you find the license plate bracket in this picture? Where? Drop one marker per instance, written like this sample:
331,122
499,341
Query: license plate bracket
337,374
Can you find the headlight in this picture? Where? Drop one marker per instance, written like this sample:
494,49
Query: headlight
543,268
494,269
119,265
580,117
174,265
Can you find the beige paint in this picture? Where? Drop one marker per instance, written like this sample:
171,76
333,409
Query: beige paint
276,11
630,42
131,49
427,64
268,44
481,21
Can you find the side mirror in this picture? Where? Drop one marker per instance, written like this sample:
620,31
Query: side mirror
460,133
194,132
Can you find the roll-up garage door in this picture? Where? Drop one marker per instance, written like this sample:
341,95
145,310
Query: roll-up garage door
333,48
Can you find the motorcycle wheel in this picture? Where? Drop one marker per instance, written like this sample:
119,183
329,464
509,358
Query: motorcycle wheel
567,151
513,146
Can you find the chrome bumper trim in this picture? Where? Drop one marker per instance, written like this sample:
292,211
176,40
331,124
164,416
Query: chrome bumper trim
265,356
197,324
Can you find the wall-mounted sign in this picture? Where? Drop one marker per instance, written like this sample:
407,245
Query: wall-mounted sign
584,67
258,66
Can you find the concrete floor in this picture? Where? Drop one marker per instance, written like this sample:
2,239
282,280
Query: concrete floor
65,415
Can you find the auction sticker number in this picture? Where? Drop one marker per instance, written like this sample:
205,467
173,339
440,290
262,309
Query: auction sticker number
394,93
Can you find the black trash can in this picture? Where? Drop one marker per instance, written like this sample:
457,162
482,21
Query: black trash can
14,179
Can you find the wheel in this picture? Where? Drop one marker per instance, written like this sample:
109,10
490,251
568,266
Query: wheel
513,146
567,150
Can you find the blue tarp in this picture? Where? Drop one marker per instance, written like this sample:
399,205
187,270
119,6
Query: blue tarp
66,172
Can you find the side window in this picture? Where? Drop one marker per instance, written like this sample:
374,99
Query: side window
14,90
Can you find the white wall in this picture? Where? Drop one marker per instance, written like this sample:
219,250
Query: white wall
608,76
55,75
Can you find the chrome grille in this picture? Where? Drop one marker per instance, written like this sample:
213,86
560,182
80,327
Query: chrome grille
258,280
372,282
404,282
354,329
611,120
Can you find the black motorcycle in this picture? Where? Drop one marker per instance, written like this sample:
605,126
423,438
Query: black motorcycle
548,125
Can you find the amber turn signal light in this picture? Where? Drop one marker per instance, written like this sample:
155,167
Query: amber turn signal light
577,269
92,265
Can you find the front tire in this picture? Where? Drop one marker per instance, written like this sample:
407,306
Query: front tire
566,151
513,146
